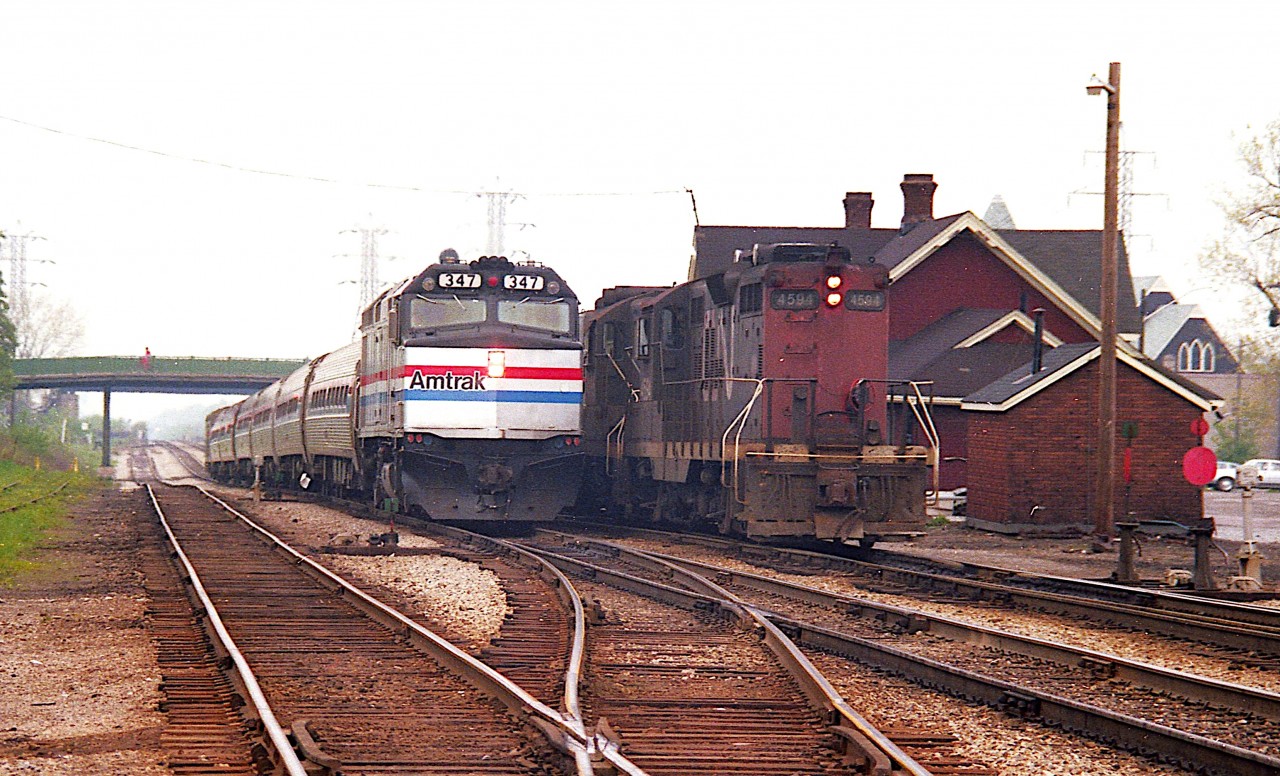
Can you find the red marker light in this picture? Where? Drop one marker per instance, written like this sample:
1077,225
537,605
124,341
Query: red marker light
833,299
493,281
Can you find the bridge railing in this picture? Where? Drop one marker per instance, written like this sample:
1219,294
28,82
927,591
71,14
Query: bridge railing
159,365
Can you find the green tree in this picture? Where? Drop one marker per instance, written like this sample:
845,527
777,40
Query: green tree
8,339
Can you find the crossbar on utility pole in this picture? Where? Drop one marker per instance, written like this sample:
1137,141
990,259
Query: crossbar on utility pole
1104,515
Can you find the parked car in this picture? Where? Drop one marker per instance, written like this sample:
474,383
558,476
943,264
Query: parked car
1225,478
1268,472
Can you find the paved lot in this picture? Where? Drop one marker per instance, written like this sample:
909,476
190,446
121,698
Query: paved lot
1264,514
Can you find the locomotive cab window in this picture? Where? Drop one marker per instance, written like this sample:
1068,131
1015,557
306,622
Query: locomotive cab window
672,326
554,315
613,344
432,312
642,337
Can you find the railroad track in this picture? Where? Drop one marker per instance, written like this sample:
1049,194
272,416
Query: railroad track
1194,721
694,691
1214,631
756,719
1204,607
357,695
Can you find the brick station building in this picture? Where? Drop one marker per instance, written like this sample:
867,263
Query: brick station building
963,299
1035,437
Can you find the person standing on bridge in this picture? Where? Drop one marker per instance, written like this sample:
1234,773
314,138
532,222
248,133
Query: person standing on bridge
146,360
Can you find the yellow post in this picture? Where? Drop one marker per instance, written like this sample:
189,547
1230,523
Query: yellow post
37,463
75,465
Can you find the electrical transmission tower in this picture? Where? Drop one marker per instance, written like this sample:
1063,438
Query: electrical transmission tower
1125,195
369,278
18,286
497,200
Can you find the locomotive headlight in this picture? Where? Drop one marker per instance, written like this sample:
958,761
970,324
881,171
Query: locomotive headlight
834,298
428,284
553,287
833,282
497,363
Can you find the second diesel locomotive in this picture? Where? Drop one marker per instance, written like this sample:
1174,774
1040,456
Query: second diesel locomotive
461,401
756,399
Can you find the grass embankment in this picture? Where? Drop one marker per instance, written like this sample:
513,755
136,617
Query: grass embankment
23,525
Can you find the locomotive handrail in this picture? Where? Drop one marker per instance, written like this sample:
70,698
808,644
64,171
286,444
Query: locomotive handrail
931,433
741,422
619,427
635,395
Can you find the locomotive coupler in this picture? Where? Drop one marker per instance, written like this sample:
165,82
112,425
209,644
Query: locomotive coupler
493,482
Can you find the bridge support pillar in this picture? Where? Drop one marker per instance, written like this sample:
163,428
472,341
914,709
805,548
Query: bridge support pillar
106,427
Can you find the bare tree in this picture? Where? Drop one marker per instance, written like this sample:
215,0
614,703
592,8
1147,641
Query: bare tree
1249,250
50,328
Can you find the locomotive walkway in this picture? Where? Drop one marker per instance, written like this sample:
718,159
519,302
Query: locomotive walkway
148,374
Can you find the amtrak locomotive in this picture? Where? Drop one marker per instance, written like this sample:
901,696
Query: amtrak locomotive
461,401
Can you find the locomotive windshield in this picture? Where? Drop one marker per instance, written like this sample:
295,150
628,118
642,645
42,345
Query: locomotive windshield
554,315
431,312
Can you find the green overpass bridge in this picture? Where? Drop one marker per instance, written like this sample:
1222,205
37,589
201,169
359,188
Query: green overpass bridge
131,374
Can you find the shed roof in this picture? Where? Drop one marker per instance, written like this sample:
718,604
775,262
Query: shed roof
1020,384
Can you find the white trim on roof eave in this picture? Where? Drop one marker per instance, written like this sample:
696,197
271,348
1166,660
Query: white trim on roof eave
1205,405
1036,387
1013,316
944,401
1016,261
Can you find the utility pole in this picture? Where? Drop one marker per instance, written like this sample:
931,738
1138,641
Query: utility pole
1104,516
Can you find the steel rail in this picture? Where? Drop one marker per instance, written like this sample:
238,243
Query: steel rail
1191,749
1239,697
568,596
595,743
559,730
1160,600
286,757
35,500
881,754
1219,632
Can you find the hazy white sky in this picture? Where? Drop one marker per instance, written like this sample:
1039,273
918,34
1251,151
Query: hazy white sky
600,113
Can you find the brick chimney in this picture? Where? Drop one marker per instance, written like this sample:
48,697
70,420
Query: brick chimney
917,198
857,209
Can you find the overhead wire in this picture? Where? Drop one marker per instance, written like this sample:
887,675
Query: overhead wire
317,178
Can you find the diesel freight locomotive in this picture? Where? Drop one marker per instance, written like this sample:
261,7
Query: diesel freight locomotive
756,400
460,401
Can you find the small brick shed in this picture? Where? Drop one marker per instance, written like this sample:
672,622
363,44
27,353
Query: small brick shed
1032,442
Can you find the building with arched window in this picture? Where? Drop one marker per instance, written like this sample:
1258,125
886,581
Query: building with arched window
1180,338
